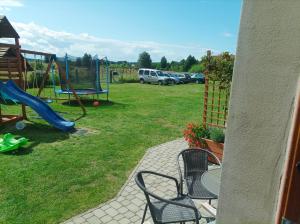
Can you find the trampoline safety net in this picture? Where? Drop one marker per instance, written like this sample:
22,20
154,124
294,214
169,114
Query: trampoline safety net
83,73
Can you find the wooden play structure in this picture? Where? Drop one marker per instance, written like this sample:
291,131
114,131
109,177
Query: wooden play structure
11,66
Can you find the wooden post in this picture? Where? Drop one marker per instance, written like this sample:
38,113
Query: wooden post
8,68
219,105
204,116
25,75
0,114
226,104
212,107
45,77
18,52
289,203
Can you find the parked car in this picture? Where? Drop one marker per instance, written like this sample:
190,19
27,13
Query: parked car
181,77
175,79
188,78
184,78
198,78
147,75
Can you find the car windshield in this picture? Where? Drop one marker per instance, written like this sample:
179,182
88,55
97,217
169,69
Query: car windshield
198,75
165,74
159,73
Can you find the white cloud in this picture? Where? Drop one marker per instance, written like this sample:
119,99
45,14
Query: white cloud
11,3
40,38
227,34
6,5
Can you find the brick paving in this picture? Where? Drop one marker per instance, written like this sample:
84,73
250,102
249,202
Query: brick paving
128,205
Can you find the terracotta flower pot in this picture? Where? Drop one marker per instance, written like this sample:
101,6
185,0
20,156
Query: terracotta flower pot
216,148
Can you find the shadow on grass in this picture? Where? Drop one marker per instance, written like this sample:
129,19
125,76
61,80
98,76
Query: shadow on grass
90,103
36,134
7,102
19,152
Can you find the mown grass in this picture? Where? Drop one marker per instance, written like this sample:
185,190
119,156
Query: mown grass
59,175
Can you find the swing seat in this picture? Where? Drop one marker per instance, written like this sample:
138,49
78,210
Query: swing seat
47,101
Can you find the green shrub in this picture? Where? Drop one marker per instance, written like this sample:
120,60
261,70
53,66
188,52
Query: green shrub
128,79
197,68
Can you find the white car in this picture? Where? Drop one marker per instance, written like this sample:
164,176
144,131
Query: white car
153,76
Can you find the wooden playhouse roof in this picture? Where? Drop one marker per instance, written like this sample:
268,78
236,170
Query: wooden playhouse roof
6,29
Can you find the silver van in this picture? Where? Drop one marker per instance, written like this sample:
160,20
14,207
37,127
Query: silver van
147,75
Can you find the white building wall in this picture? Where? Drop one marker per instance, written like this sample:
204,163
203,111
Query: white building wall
265,78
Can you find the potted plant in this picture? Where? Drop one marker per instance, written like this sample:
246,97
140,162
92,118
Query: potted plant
199,137
215,143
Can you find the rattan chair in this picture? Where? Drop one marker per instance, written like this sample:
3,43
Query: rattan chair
176,210
195,163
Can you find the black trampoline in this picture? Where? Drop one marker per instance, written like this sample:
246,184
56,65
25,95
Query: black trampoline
83,75
82,91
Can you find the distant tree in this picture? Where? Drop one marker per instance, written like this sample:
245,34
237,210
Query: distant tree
144,60
163,63
86,60
182,62
176,66
78,62
197,68
189,62
155,65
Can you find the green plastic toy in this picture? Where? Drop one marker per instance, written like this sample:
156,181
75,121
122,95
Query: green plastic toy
9,142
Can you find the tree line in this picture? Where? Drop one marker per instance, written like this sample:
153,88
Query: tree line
144,61
218,66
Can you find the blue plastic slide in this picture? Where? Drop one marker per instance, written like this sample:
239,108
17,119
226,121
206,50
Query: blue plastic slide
14,92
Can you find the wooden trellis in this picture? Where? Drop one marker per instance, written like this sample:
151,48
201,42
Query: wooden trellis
216,99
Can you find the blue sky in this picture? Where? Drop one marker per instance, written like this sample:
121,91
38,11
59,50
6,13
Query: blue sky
121,29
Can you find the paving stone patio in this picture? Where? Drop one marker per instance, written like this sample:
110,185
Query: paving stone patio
128,205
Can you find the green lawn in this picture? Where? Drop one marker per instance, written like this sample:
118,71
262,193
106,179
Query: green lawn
60,175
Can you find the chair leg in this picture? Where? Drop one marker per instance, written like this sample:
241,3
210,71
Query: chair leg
145,212
181,188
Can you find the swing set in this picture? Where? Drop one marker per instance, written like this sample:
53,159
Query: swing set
72,76
36,80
